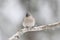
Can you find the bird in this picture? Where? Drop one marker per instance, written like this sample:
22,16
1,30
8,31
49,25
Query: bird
29,21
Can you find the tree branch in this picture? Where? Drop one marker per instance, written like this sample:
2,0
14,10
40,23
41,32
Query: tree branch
39,28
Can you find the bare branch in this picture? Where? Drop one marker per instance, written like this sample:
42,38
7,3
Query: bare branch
39,28
18,34
45,27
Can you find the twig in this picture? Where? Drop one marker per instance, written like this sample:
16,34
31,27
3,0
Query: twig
39,28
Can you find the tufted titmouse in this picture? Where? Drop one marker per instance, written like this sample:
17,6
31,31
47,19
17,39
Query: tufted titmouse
29,21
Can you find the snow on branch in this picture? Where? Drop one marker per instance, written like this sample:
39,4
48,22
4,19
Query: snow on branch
39,28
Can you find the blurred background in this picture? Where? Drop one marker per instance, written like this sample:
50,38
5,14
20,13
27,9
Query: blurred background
45,12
